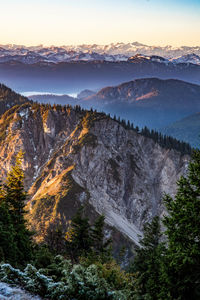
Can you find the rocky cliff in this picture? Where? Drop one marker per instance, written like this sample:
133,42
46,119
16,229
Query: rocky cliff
75,157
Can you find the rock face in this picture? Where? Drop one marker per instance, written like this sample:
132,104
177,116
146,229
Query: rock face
74,157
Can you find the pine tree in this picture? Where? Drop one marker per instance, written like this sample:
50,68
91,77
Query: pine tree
8,247
55,238
80,241
14,188
137,129
14,197
147,262
100,245
183,233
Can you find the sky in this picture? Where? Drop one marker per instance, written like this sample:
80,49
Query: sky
68,22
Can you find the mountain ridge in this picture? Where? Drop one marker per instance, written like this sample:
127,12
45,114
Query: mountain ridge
113,52
74,157
140,99
71,77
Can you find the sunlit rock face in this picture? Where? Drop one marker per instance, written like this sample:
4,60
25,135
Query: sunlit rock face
74,157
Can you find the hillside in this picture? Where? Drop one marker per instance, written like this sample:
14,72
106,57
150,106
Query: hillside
187,129
75,157
9,98
141,100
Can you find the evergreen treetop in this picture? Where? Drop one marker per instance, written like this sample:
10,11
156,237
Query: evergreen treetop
183,234
12,203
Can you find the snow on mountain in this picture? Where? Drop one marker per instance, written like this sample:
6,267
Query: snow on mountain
112,52
152,58
32,55
188,58
131,49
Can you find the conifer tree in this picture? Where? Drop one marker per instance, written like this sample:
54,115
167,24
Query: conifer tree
147,262
80,241
137,129
8,247
55,238
14,197
14,189
101,246
183,232
98,234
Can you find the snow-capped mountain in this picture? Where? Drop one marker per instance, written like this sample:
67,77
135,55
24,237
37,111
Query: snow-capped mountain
153,58
188,58
33,55
184,59
112,52
131,49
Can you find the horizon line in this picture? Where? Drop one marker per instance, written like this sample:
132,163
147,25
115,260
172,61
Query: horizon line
100,44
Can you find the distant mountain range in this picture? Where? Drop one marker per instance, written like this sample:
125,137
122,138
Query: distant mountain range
111,52
59,54
54,55
74,76
148,102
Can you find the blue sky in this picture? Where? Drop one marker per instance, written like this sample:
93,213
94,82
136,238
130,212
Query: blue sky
59,22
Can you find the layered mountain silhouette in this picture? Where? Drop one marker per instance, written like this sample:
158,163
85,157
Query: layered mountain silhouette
148,102
73,76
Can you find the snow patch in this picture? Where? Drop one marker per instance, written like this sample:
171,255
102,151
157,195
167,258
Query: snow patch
24,113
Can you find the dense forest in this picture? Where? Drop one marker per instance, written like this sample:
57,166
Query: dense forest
78,263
